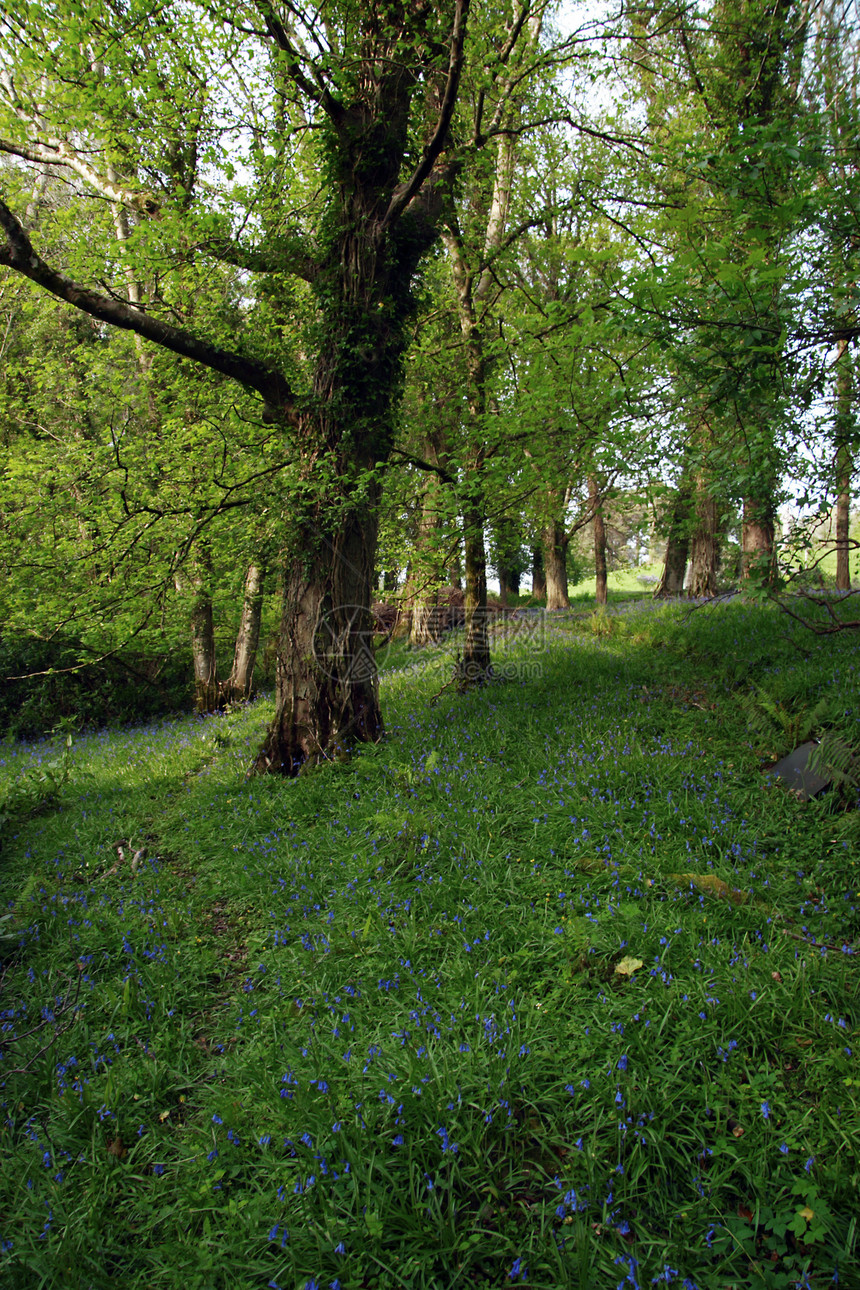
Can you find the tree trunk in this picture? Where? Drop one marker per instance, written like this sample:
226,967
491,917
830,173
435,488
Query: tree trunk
704,544
843,517
844,464
327,691
555,566
509,582
419,605
538,572
757,542
239,684
203,649
600,583
475,667
677,544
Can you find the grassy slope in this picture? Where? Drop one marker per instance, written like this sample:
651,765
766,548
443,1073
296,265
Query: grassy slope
367,1028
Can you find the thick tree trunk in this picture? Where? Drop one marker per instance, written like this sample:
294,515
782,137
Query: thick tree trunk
758,538
538,572
555,566
844,464
475,667
677,544
601,582
327,692
240,682
704,544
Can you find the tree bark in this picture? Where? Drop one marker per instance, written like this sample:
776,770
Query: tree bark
203,655
677,544
475,666
239,685
538,572
327,691
704,544
601,583
758,551
555,566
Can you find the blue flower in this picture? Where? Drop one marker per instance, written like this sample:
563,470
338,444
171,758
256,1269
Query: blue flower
765,1110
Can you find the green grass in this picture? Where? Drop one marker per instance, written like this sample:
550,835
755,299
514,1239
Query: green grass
368,1028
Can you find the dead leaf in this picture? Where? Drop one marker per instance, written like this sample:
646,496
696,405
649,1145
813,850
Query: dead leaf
628,966
807,1213
745,1212
116,1148
777,977
737,1130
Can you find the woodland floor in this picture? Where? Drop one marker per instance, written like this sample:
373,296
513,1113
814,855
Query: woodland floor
553,987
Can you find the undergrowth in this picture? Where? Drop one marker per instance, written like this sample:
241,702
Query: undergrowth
553,987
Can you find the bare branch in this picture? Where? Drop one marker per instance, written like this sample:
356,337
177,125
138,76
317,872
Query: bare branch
57,153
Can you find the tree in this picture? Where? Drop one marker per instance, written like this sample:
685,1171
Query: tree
132,104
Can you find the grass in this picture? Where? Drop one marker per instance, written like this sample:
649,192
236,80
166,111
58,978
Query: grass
551,988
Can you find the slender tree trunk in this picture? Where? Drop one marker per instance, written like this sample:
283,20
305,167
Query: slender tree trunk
538,572
601,583
844,464
677,544
475,666
555,566
203,656
421,592
239,685
843,517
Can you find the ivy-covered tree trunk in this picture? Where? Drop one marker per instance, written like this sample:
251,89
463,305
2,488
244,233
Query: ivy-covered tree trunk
327,692
677,543
758,550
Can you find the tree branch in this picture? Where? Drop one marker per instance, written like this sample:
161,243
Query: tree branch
319,92
269,258
404,193
57,153
17,253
